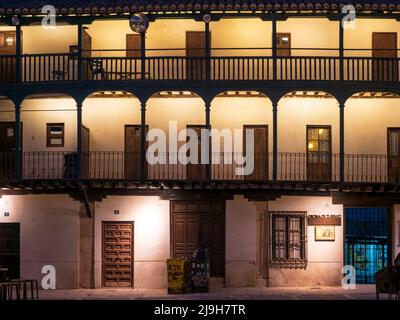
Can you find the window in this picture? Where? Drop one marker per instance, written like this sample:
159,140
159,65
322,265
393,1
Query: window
55,135
288,239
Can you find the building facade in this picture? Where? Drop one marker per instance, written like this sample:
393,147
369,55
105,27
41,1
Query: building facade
77,101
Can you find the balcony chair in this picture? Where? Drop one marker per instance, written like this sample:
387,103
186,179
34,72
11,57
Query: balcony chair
96,67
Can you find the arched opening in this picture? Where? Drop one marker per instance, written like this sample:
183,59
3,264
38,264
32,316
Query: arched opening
110,145
171,115
308,137
241,136
372,137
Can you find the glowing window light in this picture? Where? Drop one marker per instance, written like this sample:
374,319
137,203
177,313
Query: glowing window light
9,41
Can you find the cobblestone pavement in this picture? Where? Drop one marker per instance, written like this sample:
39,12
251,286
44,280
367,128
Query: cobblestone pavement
362,292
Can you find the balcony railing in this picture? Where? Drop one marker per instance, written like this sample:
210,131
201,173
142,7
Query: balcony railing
36,68
118,165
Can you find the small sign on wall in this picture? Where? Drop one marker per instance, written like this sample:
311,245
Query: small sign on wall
325,220
325,233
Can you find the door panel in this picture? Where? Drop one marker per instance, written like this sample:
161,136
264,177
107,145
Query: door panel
87,70
196,223
384,45
133,45
117,254
10,248
283,44
394,154
260,171
196,171
132,152
7,149
85,152
319,153
195,48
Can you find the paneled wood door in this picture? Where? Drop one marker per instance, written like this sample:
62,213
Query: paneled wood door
384,45
199,223
283,44
195,48
133,45
394,154
87,69
260,171
7,149
10,248
132,152
319,153
117,254
85,165
196,171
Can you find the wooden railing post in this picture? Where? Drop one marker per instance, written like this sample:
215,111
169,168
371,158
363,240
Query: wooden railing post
207,142
143,141
79,140
79,58
143,55
274,49
18,49
275,141
341,50
207,50
341,109
17,143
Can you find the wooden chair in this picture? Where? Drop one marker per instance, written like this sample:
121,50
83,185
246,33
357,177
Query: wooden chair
96,68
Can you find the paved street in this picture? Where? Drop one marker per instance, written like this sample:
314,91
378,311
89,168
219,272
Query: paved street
320,293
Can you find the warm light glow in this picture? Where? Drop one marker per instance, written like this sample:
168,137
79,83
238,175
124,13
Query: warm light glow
310,146
321,131
9,41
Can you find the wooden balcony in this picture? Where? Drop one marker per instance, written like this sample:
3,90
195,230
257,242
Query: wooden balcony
118,165
67,67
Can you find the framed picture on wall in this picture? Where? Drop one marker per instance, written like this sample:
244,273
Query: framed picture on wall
325,233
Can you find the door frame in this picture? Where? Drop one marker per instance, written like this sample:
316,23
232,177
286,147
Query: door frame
391,226
266,127
103,223
21,160
18,224
312,126
201,126
146,172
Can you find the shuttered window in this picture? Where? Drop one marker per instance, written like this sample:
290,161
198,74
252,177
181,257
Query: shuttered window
288,239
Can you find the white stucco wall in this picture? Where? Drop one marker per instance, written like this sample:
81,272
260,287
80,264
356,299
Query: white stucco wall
151,236
49,235
325,259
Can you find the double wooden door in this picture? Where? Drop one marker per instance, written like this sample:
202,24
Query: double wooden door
118,254
319,153
384,49
199,223
10,248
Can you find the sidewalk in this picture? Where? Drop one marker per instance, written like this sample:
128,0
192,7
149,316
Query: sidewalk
362,292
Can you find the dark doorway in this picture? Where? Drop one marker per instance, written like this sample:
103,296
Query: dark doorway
195,223
195,53
260,171
117,254
384,50
394,154
10,248
8,49
367,241
7,150
319,153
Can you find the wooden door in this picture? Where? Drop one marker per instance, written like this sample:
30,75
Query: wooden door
10,248
133,45
7,64
283,44
117,254
260,171
394,154
132,152
199,223
319,153
384,45
85,165
7,150
196,171
195,51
